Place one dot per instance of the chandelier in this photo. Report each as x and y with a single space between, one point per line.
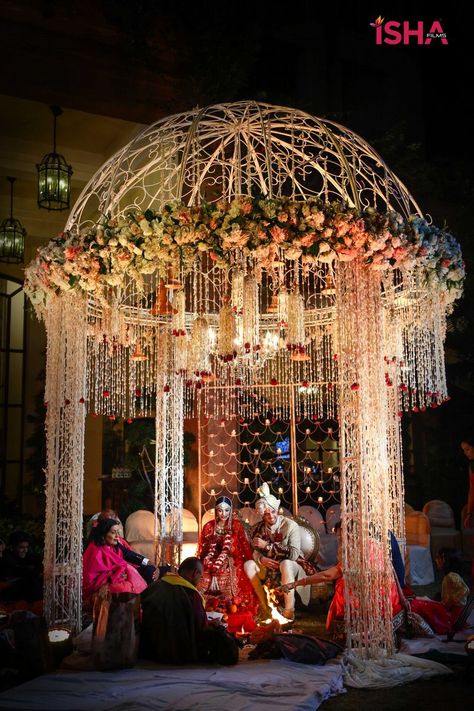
12 236
54 176
253 260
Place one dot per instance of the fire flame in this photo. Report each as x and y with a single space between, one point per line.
271 602
377 22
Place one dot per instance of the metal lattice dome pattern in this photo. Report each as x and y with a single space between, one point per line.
242 148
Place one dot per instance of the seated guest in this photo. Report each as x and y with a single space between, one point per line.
104 566
276 542
335 616
21 569
146 569
105 513
445 610
175 629
449 560
450 565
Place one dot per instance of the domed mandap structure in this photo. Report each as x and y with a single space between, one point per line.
240 261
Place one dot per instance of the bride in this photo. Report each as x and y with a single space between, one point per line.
223 548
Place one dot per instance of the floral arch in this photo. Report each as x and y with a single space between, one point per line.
229 259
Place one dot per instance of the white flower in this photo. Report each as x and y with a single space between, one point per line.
38 296
293 253
344 257
145 227
88 285
113 279
326 257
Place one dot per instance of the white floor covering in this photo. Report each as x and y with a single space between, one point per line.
263 685
424 645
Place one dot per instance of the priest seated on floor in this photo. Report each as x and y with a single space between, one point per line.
175 628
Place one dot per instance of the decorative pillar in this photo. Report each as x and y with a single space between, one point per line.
169 457
365 476
66 332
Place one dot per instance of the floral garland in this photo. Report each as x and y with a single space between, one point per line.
263 230
211 561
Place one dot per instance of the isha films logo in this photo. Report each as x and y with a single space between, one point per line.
393 32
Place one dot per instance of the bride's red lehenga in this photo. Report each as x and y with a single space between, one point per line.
223 550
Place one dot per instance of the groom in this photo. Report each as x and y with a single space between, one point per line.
277 547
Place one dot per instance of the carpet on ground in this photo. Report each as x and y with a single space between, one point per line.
249 686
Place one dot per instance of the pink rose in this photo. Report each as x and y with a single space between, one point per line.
346 254
70 252
184 216
399 253
279 234
308 239
341 229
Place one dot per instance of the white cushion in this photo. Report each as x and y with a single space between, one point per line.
421 565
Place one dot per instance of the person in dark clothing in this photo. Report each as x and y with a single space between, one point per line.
175 629
22 570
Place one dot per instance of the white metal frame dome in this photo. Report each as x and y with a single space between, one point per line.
242 148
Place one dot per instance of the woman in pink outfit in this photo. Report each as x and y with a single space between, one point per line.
104 567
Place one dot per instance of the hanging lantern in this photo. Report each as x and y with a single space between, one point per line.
162 306
273 305
54 176
138 355
12 236
172 281
329 288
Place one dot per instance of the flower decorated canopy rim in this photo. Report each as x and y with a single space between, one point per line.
261 230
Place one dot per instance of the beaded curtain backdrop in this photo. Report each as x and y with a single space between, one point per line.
235 262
